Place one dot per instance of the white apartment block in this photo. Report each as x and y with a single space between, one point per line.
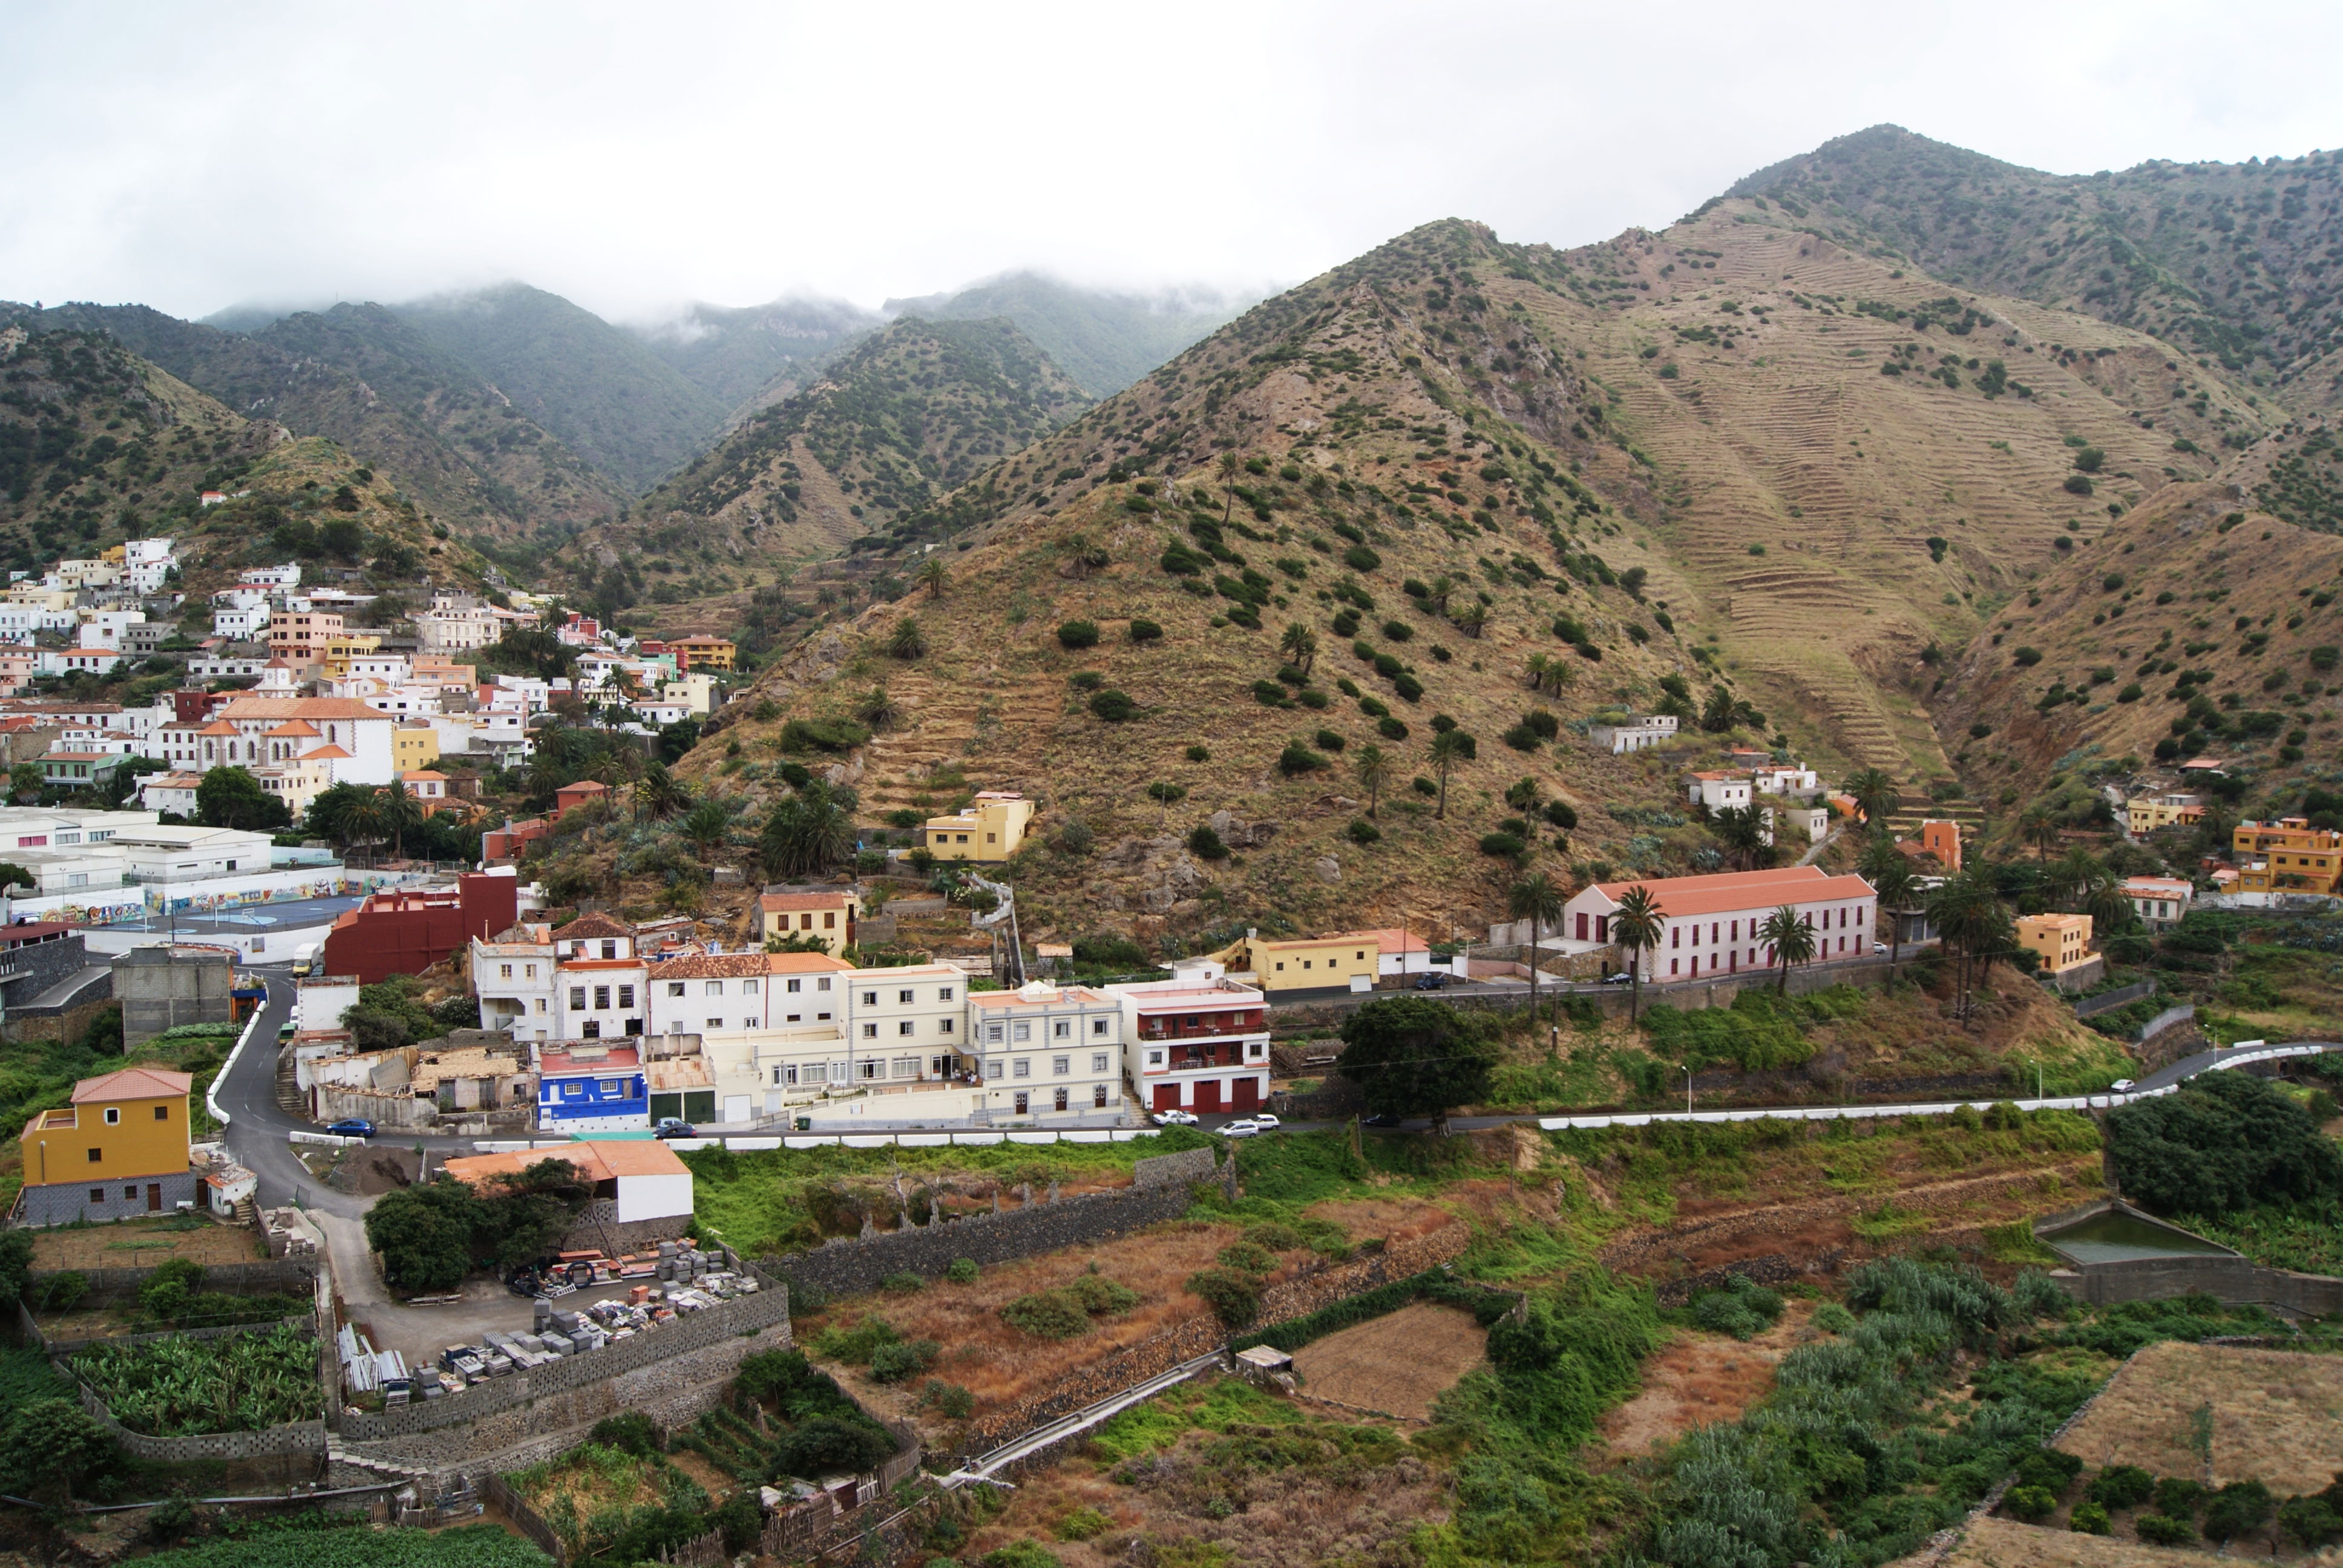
1719 790
1636 733
1046 1051
1199 1042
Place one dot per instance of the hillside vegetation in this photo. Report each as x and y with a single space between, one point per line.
1105 341
748 357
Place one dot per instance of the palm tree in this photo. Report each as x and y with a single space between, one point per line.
1166 795
1890 876
2039 827
1229 465
706 825
908 641
1471 618
658 794
363 821
1874 796
1300 645
1635 925
1967 910
1792 940
1550 674
876 709
809 831
1441 587
933 576
399 812
1373 767
1536 899
1450 749
1743 831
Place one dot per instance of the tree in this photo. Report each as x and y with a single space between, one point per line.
659 794
1450 749
1412 1056
401 813
1791 940
1166 795
13 875
808 831
2070 879
1300 645
1723 710
1536 899
1229 465
1874 796
1889 873
1470 618
908 640
523 1216
1636 925
26 780
2224 1142
1742 830
52 1443
424 1232
1373 767
2039 827
1967 910
675 739
706 825
933 576
233 798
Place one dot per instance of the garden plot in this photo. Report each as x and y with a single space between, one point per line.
1396 1365
2005 1544
143 1243
1701 1377
2275 1416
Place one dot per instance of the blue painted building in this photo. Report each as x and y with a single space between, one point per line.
590 1088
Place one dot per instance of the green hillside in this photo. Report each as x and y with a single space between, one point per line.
2232 262
1104 341
760 352
618 405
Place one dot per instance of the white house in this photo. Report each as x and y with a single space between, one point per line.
1046 1051
1635 733
2159 902
1198 1041
1809 824
170 792
1719 790
1709 924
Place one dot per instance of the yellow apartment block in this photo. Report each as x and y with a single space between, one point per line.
987 831
2062 941
2291 856
119 1148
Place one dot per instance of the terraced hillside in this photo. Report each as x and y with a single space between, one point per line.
904 416
355 375
2232 262
748 357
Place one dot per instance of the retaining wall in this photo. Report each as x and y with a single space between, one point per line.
847 1266
2233 1280
2164 1020
599 1225
292 1277
1316 1287
2107 1001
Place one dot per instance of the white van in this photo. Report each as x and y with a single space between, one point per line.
305 959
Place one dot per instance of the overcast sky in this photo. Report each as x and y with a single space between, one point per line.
190 156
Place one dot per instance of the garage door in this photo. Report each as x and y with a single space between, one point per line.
1208 1096
1167 1096
735 1107
1246 1093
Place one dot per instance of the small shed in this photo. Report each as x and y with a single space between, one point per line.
1265 1363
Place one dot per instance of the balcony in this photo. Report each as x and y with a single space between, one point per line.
1224 1053
1218 1026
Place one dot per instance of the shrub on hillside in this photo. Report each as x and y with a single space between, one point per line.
1144 630
1099 1296
1047 1315
1742 1308
1075 635
1205 844
1112 706
1232 1293
2224 1142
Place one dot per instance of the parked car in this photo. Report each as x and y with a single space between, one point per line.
2121 1086
1175 1117
1386 1120
1243 1127
1265 1122
1622 978
353 1127
1878 948
1432 980
674 1127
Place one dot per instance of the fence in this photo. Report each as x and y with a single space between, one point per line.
2164 1020
2108 1000
929 1140
523 1518
302 1437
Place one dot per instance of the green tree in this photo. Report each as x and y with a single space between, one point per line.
2224 1141
1229 467
1742 829
26 780
1374 767
1874 796
933 576
1534 898
659 794
1300 645
706 825
13 875
424 1232
1966 912
1166 795
808 831
1412 1056
233 798
2039 827
908 641
1890 875
51 1445
401 813
1635 926
1792 940
1470 618
1451 748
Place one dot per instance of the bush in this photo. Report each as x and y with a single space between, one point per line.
629 1432
2122 1486
1270 1236
1022 1555
1297 759
1144 630
2313 1521
1232 1295
1082 1523
2177 1496
2049 1469
906 1359
825 1444
1359 558
2158 1529
2029 1502
1506 846
948 1400
1362 831
1245 1255
2089 1519
1742 1308
1329 740
962 1270
1832 1317
2026 658
2241 1507
1205 844
1047 1315
902 1283
2078 484
1101 1297
61 1293
2224 1142
1074 634
1114 706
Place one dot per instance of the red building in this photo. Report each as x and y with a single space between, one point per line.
405 933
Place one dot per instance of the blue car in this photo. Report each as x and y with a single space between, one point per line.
355 1127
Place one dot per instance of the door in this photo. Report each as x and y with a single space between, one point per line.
153 1197
1208 1097
735 1107
700 1105
1024 1102
1167 1096
1247 1092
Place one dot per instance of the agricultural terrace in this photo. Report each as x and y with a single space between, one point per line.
2221 1413
616 1499
175 1295
329 1540
180 1387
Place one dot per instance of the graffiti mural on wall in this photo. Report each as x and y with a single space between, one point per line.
116 906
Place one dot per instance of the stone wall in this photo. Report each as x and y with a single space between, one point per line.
337 1102
1868 972
2233 1280
298 1437
2108 1000
599 1225
847 1266
1321 1284
1773 1268
292 1277
65 1202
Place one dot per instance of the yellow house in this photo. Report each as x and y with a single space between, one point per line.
1307 963
701 651
990 830
120 1148
2300 858
414 746
341 650
2062 941
2151 813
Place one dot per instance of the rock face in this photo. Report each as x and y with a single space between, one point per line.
1328 869
1238 835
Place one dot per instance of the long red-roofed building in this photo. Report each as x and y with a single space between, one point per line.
1708 925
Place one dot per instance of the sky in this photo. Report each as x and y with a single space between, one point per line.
193 157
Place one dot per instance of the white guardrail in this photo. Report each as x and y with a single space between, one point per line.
327 1140
211 1094
933 1139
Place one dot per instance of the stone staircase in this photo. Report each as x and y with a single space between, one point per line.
289 1087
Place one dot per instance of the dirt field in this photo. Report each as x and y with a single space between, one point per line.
1699 1377
1397 1364
2278 1416
142 1244
2004 1544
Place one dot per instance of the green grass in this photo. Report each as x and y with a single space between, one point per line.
357 1545
1212 1406
2305 1237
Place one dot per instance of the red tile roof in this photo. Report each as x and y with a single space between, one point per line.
134 1083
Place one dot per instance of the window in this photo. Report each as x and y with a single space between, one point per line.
1675 938
1098 1028
626 996
715 1023
1154 1059
97 1194
531 971
96 1155
870 999
1254 1049
941 1066
578 999
1062 1029
993 1067
162 1114
609 949
829 921
1024 1100
870 1031
1023 1031
503 971
907 1067
1060 1065
943 993
903 998
1098 1097
113 1115
944 1025
869 1069
1024 1067
601 998
1061 1103
1098 1061
908 1026
994 1033
712 987
675 987
821 984
747 988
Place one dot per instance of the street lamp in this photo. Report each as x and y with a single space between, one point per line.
1685 1068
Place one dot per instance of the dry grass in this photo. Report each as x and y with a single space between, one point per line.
1699 1378
2004 1544
2278 1416
1397 1220
142 1244
1398 1363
